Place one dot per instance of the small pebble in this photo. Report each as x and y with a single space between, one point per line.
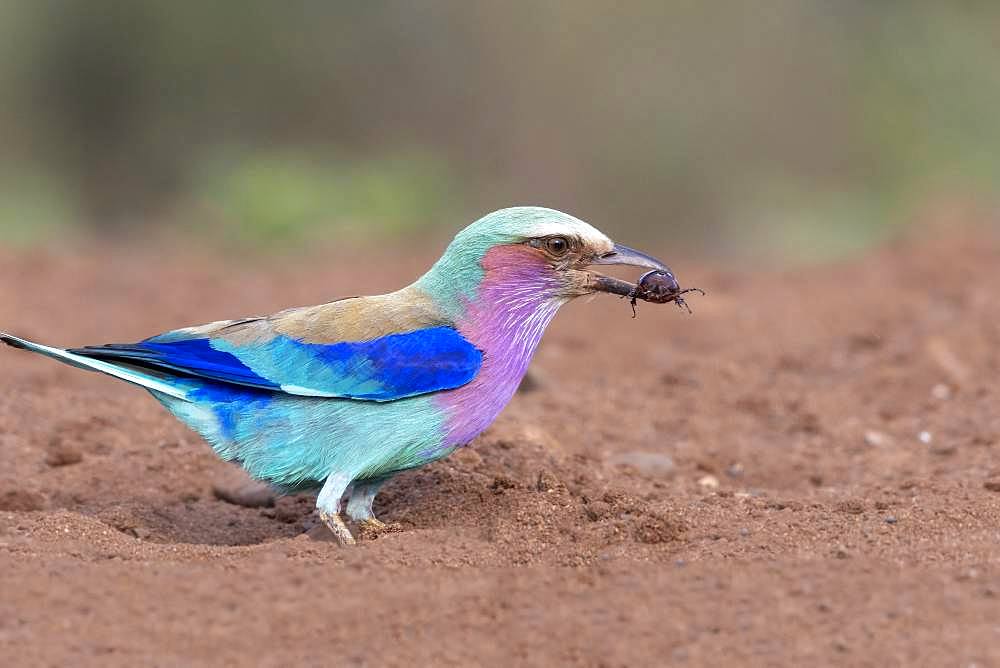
548 482
925 437
249 495
63 455
941 392
735 471
874 438
891 519
142 533
709 482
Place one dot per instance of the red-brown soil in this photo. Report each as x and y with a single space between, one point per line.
806 471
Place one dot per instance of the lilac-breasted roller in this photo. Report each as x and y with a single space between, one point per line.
340 397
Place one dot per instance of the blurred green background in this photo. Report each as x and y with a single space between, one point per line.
796 128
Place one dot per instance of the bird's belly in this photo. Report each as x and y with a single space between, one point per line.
296 442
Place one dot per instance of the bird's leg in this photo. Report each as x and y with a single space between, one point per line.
359 508
328 503
360 500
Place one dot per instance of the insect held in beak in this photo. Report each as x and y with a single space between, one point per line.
659 287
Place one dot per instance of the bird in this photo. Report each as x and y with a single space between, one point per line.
342 396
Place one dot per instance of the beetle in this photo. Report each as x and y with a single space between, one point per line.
659 287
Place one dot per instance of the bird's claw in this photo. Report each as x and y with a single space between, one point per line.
336 524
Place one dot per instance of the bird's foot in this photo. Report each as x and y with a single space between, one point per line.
372 528
336 524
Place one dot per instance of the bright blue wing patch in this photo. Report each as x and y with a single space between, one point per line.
389 367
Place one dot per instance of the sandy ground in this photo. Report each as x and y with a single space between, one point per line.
804 472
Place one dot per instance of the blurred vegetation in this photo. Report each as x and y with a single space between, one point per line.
281 199
803 127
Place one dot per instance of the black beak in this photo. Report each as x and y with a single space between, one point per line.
632 258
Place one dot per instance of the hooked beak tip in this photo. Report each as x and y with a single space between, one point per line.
623 255
629 256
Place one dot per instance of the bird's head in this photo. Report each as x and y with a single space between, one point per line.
532 251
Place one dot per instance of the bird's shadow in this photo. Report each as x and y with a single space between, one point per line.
209 521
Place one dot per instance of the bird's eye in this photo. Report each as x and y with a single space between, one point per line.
557 246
